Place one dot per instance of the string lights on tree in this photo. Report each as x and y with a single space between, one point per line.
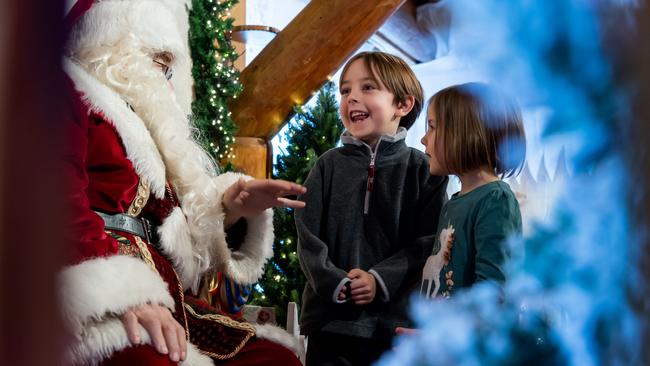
216 81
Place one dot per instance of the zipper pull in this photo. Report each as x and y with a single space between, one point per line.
371 177
369 186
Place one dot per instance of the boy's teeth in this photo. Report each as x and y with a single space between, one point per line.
358 116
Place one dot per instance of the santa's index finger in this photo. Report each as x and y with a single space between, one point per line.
288 203
283 187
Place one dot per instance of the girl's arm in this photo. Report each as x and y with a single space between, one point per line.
497 219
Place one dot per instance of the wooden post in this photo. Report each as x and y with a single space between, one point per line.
252 156
298 61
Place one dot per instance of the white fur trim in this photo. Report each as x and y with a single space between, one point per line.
138 143
99 341
93 289
196 358
150 21
280 336
198 242
176 242
245 265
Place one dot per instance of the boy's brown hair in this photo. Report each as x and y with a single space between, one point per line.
478 126
398 78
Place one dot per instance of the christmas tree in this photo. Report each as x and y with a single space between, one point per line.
311 132
216 81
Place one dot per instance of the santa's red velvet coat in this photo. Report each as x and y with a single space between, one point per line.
114 166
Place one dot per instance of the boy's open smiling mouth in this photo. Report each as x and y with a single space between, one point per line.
358 116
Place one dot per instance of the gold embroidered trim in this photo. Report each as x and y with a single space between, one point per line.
146 254
170 192
146 257
182 295
140 199
227 322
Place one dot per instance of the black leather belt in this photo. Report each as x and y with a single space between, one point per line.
133 225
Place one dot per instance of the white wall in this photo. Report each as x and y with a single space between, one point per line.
434 76
273 13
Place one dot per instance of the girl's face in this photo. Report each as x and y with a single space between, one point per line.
367 109
432 148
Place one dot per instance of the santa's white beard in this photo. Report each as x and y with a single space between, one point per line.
131 73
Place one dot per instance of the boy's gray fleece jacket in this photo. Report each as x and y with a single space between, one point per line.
391 240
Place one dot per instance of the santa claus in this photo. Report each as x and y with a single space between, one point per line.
148 214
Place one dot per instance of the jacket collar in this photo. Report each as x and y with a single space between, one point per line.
384 142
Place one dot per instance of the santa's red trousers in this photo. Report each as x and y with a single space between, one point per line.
256 352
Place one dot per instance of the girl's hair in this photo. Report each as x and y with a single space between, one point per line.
398 78
479 126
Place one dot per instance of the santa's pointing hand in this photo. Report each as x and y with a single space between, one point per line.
247 199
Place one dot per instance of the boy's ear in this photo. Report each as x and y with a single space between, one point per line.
404 107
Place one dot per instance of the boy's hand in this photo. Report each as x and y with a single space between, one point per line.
341 295
363 285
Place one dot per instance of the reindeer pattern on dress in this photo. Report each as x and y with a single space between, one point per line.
436 262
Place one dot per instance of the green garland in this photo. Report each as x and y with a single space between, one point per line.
311 132
216 81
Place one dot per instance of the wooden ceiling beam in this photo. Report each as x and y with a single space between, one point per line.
301 57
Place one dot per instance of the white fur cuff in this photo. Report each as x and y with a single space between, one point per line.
246 265
205 218
94 288
100 340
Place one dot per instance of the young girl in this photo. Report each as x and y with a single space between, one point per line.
366 230
477 134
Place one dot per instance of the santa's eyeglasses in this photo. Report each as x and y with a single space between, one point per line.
167 70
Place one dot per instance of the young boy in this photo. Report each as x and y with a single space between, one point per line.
371 213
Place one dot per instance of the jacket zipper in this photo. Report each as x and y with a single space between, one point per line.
370 184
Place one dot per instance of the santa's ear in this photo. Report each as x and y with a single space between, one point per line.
165 57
